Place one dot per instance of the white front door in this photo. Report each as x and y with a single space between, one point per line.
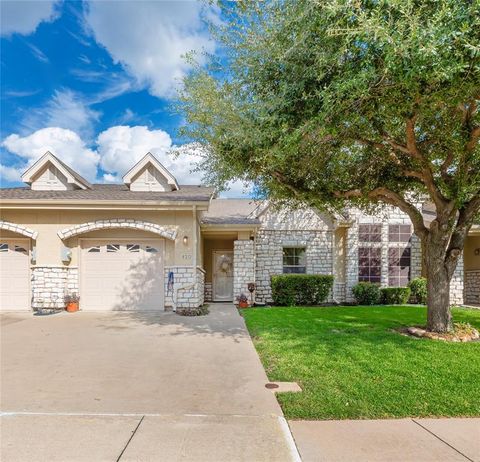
14 275
222 275
122 275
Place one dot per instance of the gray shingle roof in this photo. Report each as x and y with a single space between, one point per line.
109 192
231 212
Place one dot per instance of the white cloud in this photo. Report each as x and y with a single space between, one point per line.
118 149
65 144
9 173
122 146
150 38
65 110
23 17
39 54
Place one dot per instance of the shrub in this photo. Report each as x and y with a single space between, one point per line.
395 295
300 289
418 286
366 293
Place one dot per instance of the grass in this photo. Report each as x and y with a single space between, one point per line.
352 365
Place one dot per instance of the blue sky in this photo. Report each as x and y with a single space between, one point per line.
94 81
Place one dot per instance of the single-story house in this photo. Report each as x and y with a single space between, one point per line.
152 244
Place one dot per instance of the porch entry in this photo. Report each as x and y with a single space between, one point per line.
222 277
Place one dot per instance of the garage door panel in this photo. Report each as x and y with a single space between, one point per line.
14 275
122 276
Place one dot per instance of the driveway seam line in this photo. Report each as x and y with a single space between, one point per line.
442 440
130 439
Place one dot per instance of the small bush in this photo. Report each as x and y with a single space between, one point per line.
418 286
300 289
366 293
395 295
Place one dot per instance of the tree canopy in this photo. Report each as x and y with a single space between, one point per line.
335 99
334 102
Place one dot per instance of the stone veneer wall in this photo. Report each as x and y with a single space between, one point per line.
472 286
456 284
193 279
208 292
51 283
243 267
269 252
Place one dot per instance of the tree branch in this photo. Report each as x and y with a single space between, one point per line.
473 140
391 198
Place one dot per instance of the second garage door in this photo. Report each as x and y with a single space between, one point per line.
14 275
122 275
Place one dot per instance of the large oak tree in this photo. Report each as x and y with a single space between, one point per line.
336 103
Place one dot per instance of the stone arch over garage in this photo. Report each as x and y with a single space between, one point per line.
118 223
19 229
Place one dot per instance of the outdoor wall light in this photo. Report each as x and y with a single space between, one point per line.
66 254
185 240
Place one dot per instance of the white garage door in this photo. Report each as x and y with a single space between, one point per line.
122 275
14 275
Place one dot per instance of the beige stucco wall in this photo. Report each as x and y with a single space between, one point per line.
49 222
471 261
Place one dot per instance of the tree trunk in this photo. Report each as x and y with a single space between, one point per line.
438 274
439 318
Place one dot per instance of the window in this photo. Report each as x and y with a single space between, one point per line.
21 249
370 233
399 260
113 247
94 249
294 260
151 249
369 264
3 247
399 233
133 247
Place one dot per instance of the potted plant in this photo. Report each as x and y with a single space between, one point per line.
242 300
71 302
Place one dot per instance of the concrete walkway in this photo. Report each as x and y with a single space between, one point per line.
403 440
136 387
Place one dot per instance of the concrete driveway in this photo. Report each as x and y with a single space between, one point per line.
138 387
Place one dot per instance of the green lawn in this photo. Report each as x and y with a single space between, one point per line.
351 364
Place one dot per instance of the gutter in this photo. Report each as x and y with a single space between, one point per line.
100 204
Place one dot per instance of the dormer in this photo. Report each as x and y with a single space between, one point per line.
150 175
50 174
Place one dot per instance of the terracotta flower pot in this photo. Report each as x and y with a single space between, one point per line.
243 304
72 307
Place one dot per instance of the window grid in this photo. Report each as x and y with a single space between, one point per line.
399 266
399 233
370 264
294 260
370 232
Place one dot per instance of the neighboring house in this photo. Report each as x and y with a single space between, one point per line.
151 244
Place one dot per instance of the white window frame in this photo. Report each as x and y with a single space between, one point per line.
304 266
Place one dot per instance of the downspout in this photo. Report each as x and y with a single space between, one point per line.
195 237
333 266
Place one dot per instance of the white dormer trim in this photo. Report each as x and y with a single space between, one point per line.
72 177
149 158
